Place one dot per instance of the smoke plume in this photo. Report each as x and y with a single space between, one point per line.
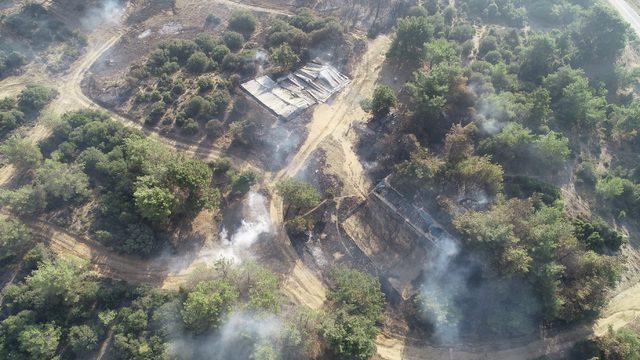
239 338
109 11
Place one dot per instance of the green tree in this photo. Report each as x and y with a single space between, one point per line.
478 172
15 238
27 200
54 284
62 181
198 62
357 304
40 341
153 203
539 58
350 336
441 51
34 98
207 304
243 22
602 35
357 291
244 181
539 108
82 339
298 195
233 40
384 98
284 57
411 35
551 151
21 152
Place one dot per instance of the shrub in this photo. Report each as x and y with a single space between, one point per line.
214 128
156 113
205 84
219 52
197 107
233 40
212 21
190 127
242 22
15 238
284 57
586 173
34 98
384 98
82 339
198 62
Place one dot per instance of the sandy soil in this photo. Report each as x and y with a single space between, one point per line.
337 116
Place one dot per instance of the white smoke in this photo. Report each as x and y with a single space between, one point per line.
109 11
240 337
490 126
439 289
256 222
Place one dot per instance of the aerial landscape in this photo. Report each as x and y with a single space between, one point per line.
320 179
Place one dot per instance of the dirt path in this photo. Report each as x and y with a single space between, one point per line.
334 119
304 287
241 5
337 116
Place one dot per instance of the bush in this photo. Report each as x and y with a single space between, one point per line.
214 128
219 52
180 50
242 22
190 127
34 98
198 62
218 102
233 40
206 304
384 98
205 84
212 21
284 57
197 107
586 173
156 113
598 236
82 339
15 238
207 43
21 152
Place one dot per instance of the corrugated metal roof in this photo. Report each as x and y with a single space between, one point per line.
314 83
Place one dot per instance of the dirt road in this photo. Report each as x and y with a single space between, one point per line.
628 13
303 287
337 116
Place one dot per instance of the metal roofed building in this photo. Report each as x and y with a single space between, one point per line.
314 83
